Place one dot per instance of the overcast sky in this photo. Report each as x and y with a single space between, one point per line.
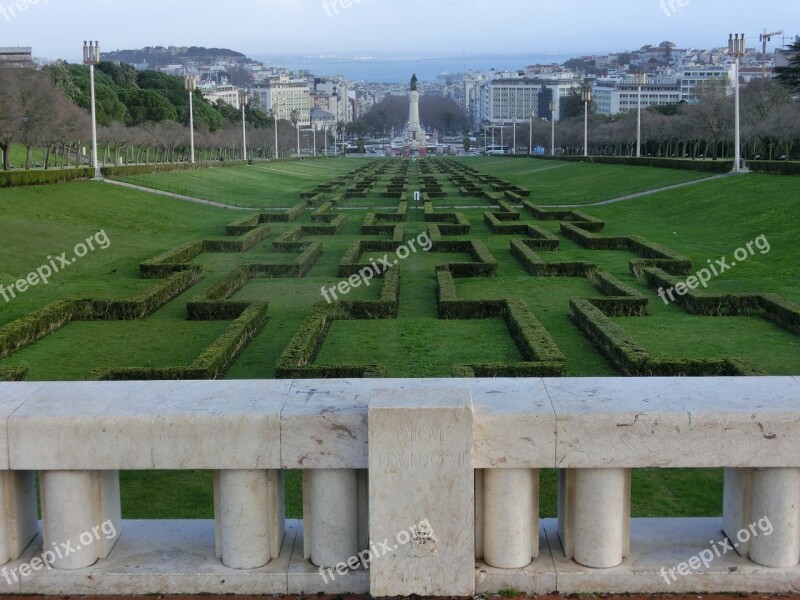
452 28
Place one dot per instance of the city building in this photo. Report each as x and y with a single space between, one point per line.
288 99
16 57
615 96
694 76
229 94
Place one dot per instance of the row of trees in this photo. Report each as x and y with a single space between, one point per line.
44 109
770 126
770 123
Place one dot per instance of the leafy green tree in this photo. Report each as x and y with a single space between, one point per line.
790 75
227 111
146 106
122 75
572 105
467 143
205 113
74 80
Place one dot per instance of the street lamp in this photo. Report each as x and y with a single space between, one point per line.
586 98
189 84
314 130
530 134
641 79
515 134
737 49
275 116
91 57
243 102
553 126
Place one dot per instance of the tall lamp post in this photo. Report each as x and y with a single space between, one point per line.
737 49
91 57
189 84
515 135
314 129
275 116
530 134
553 127
586 98
641 80
243 102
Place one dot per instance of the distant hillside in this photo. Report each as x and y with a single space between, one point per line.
159 56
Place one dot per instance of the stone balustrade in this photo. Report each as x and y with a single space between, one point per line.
431 484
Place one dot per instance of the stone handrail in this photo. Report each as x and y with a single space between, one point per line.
452 464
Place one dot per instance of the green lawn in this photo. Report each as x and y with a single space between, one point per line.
556 183
264 185
705 222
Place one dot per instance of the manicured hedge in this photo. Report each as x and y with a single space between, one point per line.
782 312
41 177
242 243
131 170
213 363
531 336
774 308
349 264
624 352
655 255
32 327
142 305
628 357
13 373
296 361
24 331
171 261
575 217
775 167
322 212
484 265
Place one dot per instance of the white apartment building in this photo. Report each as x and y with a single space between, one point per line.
614 96
229 94
338 94
691 77
508 100
285 98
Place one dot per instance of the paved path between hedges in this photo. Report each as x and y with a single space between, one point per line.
181 197
640 194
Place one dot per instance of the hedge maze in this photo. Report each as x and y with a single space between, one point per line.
329 237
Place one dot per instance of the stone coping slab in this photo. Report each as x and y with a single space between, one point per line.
676 422
149 425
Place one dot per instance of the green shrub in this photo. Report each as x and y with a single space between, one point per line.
41 177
